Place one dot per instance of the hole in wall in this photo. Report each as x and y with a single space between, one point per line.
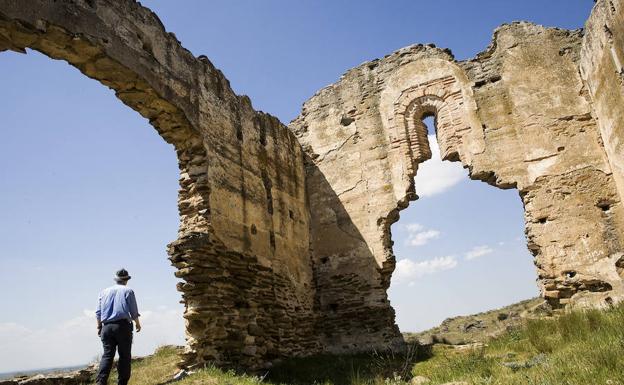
604 206
619 266
239 134
597 286
268 185
453 245
272 239
345 120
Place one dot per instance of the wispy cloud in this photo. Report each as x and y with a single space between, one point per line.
407 271
436 176
75 341
478 251
417 235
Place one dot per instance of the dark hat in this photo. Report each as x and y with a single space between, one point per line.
122 275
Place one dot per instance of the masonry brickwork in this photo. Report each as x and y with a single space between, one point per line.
284 247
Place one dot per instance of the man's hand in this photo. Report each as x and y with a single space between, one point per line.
137 325
99 329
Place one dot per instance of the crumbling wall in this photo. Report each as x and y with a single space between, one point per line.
517 116
601 65
242 248
286 250
541 138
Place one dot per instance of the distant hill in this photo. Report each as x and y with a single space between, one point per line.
482 326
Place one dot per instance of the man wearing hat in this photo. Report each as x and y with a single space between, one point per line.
116 310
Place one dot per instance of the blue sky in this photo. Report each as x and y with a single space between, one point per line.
88 186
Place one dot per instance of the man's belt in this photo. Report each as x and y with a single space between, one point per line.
117 321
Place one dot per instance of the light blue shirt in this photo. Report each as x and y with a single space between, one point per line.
116 303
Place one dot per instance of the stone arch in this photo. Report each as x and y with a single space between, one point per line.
243 235
432 87
447 117
438 88
260 229
135 91
132 89
429 86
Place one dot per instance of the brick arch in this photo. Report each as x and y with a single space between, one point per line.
442 99
446 118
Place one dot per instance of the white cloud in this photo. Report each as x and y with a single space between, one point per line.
478 251
75 341
421 238
436 176
407 270
417 235
414 227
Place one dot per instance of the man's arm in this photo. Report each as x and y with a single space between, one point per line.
134 310
98 314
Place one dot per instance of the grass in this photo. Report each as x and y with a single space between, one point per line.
480 327
578 348
361 369
160 367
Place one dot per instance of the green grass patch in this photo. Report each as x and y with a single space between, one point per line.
578 348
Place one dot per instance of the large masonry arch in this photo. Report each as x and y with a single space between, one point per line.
284 243
242 248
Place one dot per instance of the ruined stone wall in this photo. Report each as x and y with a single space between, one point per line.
284 246
541 138
242 249
602 61
517 116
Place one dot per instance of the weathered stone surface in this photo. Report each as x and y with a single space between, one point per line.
519 115
77 377
284 243
242 249
602 58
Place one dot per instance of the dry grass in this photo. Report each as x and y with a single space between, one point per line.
579 348
155 369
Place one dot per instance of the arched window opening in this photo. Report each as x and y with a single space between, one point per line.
88 187
460 248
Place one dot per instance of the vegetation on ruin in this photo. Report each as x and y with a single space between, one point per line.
578 348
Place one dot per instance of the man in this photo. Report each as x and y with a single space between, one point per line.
116 310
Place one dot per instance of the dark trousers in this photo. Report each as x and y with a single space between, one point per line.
116 336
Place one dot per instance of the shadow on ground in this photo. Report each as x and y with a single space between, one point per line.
348 369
